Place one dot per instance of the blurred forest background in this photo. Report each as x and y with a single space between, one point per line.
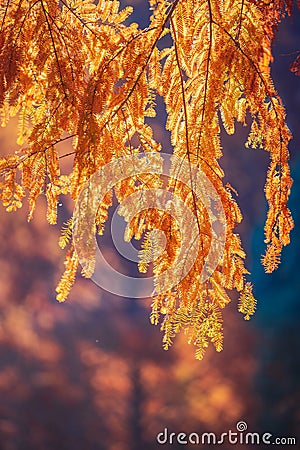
90 374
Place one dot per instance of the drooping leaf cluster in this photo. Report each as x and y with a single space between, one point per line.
74 70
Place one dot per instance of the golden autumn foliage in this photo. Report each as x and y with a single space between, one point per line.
75 70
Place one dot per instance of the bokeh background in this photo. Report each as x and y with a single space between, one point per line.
90 374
